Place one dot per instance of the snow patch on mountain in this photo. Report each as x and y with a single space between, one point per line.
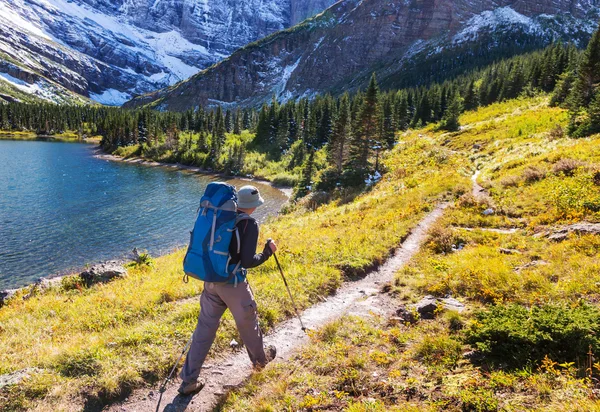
111 97
492 20
28 23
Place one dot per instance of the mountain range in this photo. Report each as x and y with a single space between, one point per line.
406 42
109 50
180 54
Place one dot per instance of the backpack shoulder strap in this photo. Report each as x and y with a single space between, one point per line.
240 218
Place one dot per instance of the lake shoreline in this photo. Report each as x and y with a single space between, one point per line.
55 278
30 136
101 154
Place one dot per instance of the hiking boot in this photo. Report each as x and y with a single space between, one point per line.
271 353
190 388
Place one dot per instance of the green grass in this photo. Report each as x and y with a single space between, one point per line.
69 137
98 342
537 179
359 364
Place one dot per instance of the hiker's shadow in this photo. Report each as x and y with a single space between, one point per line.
178 404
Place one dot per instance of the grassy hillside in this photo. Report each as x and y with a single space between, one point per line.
525 341
85 346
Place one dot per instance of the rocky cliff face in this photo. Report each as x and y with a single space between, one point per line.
339 49
112 49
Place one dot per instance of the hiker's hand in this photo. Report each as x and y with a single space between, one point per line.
272 245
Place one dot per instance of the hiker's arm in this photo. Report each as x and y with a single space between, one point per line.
249 258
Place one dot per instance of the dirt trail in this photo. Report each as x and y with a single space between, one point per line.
358 298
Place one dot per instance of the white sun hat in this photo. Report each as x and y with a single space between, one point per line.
249 197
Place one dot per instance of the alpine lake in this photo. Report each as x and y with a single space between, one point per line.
62 207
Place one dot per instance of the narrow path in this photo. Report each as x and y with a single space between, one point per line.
503 231
478 190
358 298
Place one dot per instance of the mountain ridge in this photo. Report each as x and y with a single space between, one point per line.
113 49
360 37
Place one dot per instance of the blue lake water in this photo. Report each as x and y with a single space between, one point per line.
61 208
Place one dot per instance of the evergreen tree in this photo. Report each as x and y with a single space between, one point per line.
228 121
338 144
588 78
471 97
237 123
451 118
218 137
367 129
305 185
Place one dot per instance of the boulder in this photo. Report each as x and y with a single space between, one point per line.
562 233
427 307
509 251
5 295
14 378
406 315
103 272
452 304
489 212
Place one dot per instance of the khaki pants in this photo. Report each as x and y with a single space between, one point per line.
215 299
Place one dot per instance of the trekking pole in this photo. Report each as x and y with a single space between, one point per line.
163 387
288 289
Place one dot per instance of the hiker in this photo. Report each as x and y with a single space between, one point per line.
237 296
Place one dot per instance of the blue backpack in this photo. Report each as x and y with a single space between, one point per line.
208 257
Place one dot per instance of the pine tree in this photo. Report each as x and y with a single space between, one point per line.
451 117
471 97
228 121
388 124
218 137
305 185
588 78
263 128
594 115
237 123
338 144
367 129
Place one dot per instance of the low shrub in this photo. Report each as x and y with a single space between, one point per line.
533 174
516 337
439 350
566 166
441 239
285 180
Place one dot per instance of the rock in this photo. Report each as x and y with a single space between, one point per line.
104 272
531 264
406 316
489 212
427 307
452 304
562 233
509 251
15 378
5 296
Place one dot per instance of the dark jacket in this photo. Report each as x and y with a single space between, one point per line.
248 230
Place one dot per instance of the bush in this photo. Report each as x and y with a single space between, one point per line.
329 180
510 181
285 180
439 350
533 174
441 239
517 337
566 166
